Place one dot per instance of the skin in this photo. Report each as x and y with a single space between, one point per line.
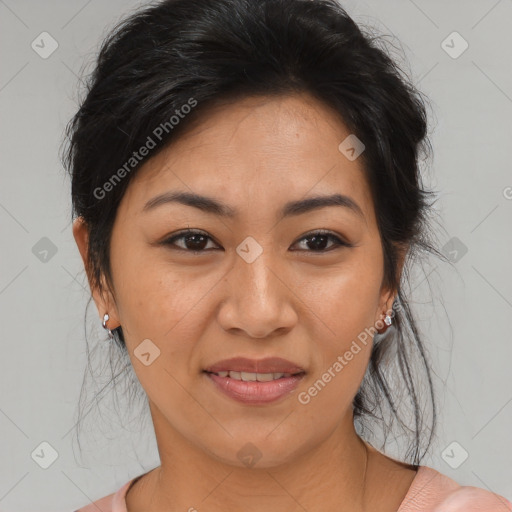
303 305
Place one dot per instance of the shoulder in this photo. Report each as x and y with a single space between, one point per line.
473 499
114 502
431 490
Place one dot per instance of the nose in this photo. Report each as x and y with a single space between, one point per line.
259 299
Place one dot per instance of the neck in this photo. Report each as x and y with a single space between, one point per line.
332 474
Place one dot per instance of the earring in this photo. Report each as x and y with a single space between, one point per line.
105 320
388 320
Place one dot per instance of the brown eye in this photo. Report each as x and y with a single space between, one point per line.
192 241
318 240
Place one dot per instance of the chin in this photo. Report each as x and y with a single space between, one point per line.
256 453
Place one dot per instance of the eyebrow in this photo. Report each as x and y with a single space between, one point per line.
215 207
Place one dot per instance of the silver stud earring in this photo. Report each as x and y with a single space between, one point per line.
105 320
388 320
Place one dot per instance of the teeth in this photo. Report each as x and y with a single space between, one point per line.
251 377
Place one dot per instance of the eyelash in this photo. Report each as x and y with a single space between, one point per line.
182 234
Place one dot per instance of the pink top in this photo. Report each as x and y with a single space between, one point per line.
430 491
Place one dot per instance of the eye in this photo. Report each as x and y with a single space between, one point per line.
193 240
197 241
318 239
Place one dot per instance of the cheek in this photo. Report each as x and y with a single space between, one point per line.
155 300
345 304
345 300
167 308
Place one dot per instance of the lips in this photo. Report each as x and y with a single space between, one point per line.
255 381
275 365
255 393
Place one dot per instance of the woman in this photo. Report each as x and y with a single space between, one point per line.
247 196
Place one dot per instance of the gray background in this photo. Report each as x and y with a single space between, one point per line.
43 296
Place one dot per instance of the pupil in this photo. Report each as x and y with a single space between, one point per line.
196 247
315 238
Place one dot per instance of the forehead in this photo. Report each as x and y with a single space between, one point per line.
257 149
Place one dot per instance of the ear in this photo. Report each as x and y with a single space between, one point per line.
103 298
388 295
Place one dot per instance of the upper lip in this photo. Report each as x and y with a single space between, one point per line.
267 365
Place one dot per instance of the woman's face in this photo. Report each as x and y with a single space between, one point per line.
259 285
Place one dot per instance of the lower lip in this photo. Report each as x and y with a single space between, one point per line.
255 392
